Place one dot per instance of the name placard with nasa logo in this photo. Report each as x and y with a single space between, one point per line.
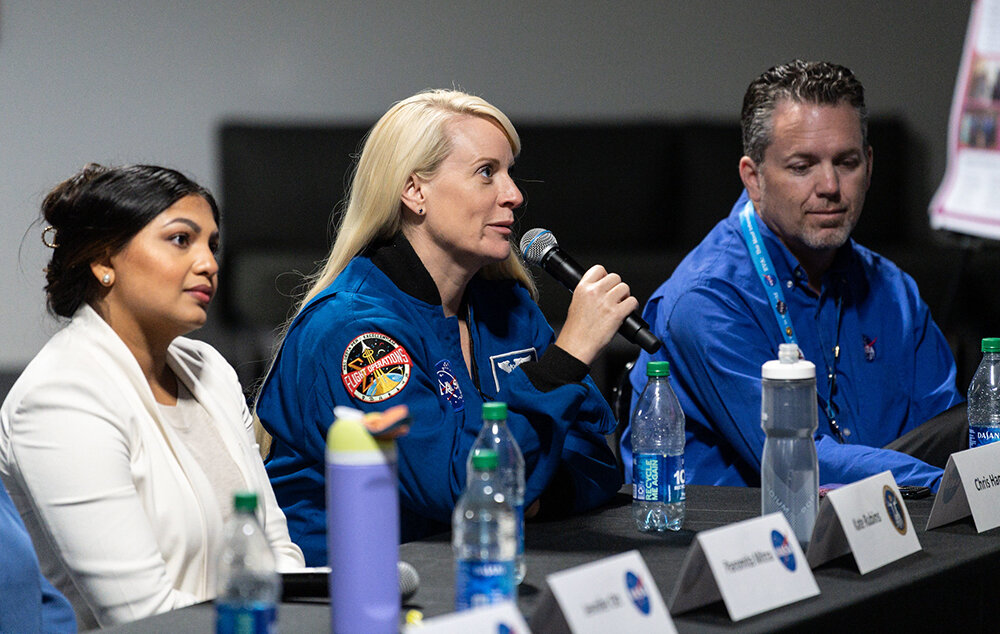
755 565
971 484
615 594
867 518
501 617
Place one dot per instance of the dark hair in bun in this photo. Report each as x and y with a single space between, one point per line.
97 212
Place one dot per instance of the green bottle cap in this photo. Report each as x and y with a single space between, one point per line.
658 368
991 344
245 501
495 410
484 460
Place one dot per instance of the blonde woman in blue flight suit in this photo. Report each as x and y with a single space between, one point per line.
423 301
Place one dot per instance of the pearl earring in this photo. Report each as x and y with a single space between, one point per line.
106 279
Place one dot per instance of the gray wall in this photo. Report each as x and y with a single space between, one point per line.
114 81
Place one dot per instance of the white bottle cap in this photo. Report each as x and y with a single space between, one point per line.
788 366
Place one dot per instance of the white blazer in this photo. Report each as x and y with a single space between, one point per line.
123 518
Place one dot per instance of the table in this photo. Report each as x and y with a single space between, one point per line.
952 583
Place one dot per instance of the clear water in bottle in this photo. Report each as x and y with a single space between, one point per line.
983 401
496 435
483 538
789 471
249 587
658 492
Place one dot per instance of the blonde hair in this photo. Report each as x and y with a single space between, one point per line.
411 138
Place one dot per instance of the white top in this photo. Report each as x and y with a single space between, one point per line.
194 426
788 366
123 517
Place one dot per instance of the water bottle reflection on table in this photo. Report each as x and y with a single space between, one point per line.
789 471
249 586
658 492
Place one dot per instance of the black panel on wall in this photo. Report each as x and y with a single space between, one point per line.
592 185
633 196
280 184
887 219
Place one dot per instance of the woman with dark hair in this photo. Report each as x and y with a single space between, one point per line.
122 441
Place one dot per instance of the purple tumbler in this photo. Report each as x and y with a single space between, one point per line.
362 537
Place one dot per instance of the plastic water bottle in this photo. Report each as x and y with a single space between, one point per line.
658 454
362 537
789 470
984 397
249 587
510 469
483 538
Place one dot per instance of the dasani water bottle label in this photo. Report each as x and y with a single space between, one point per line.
483 583
983 435
257 618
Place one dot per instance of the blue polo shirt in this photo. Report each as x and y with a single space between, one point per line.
895 370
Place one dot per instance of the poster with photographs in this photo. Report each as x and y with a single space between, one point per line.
968 200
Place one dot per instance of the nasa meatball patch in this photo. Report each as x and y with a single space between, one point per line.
448 387
375 367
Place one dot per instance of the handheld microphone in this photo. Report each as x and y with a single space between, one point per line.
409 581
540 248
313 583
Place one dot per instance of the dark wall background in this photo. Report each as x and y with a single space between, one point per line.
634 196
92 81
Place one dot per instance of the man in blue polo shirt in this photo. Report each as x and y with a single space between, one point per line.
883 367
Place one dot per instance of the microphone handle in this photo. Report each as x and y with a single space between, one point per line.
565 269
636 330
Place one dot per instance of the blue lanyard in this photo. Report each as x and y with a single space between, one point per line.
765 271
772 288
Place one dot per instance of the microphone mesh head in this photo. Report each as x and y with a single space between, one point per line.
409 580
535 244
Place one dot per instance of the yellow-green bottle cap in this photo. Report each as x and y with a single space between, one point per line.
347 434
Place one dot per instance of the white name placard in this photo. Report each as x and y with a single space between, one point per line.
614 594
500 617
971 484
867 518
755 565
